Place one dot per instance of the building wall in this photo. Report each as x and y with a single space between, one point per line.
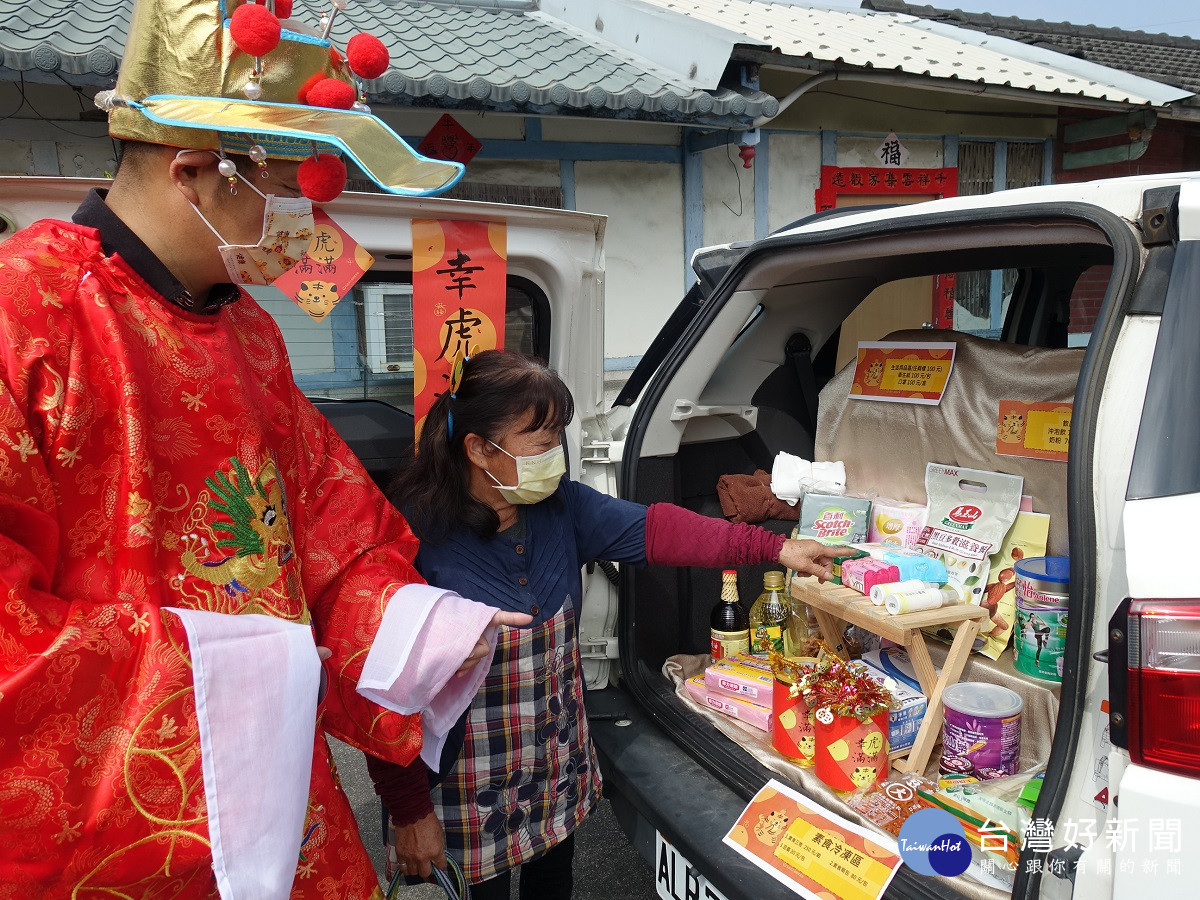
1173 147
728 207
643 248
793 176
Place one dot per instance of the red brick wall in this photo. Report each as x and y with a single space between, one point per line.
1174 147
1085 301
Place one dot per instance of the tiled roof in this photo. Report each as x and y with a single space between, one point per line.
64 36
1166 58
442 55
891 41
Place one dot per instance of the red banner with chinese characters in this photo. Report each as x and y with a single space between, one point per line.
449 140
835 180
459 290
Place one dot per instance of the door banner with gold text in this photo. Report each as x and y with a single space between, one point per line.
458 300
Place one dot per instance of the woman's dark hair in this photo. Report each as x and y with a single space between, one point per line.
498 390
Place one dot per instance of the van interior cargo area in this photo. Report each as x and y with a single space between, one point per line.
885 448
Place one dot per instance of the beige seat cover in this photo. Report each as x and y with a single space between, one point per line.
886 446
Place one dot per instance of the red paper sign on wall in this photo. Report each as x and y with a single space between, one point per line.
449 140
458 300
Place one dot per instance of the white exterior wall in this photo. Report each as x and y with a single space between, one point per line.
860 151
647 272
728 196
794 170
643 246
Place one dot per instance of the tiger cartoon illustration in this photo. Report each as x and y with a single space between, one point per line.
771 826
874 376
1012 428
863 776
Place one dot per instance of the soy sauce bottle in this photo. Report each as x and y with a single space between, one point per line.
729 626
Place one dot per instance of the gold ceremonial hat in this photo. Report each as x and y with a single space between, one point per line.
190 78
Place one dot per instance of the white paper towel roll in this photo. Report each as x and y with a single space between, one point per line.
927 598
880 592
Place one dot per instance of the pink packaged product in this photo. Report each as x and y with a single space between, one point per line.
734 677
864 573
744 710
696 689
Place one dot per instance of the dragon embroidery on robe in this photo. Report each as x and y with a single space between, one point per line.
254 522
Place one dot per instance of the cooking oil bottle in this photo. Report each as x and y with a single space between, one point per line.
769 617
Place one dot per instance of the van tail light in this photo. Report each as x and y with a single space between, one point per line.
1154 683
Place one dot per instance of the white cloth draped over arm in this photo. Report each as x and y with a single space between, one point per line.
425 635
256 680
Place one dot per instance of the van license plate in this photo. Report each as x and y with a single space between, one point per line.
678 879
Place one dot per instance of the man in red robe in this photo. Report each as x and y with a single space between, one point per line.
156 455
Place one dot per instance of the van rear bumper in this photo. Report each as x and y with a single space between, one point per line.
655 786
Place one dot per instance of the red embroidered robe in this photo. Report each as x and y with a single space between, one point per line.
150 457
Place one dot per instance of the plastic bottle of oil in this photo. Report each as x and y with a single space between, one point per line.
769 617
729 627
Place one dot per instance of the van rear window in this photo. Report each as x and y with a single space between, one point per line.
364 349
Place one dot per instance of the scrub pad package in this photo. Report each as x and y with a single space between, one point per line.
970 512
834 517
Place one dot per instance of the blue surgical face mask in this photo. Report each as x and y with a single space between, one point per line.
537 476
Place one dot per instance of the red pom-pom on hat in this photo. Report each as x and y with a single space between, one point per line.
302 94
283 8
322 177
367 55
254 29
332 93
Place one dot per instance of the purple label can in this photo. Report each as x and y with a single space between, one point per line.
982 735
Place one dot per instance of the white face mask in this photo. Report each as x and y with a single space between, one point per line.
286 235
537 476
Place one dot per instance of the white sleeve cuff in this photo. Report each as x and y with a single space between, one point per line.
425 635
256 680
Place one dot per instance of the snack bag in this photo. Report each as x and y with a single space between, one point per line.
970 512
889 803
1026 539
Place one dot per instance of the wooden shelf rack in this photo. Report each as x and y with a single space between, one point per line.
835 606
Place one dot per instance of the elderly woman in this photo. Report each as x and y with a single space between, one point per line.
498 522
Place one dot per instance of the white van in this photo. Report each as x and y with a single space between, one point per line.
753 362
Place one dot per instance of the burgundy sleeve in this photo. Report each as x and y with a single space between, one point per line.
679 537
404 790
